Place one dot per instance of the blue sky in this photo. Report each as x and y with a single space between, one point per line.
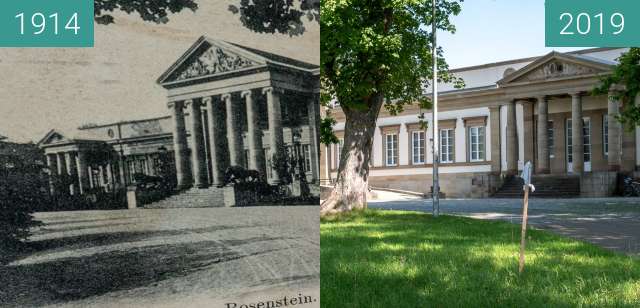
495 30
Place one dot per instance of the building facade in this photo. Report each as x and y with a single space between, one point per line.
536 109
229 105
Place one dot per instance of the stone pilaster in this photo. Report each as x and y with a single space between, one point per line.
198 161
276 140
494 118
254 135
313 111
234 131
543 139
181 151
83 176
614 133
216 140
577 140
512 139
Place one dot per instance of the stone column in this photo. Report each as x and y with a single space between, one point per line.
527 131
110 180
494 118
313 111
70 159
83 176
614 131
52 163
254 135
198 161
216 138
276 141
234 131
543 136
180 148
512 139
577 140
62 170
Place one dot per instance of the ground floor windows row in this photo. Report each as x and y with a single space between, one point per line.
419 145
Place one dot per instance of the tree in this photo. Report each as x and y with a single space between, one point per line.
374 54
262 16
627 75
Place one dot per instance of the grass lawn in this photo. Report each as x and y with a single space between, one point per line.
408 259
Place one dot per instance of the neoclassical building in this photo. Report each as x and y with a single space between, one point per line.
229 105
535 109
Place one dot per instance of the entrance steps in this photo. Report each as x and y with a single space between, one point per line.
547 186
193 197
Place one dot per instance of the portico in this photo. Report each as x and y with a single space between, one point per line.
227 102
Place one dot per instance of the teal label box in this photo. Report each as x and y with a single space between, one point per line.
46 23
592 23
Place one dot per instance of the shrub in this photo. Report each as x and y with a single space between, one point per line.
21 192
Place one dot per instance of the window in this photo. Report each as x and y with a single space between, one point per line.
569 141
267 162
246 159
586 139
392 149
446 145
339 146
418 146
306 149
605 134
476 143
551 140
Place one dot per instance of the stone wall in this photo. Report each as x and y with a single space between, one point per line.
452 185
598 184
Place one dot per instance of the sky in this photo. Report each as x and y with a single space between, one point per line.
496 30
46 88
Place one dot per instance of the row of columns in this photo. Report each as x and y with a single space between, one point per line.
198 177
69 164
577 141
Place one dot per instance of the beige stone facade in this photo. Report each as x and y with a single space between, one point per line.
536 109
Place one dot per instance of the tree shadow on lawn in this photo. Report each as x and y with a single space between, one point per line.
81 277
376 259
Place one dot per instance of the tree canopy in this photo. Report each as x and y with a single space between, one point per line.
381 47
262 16
627 75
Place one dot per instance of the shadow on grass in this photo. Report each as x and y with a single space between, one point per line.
80 277
407 259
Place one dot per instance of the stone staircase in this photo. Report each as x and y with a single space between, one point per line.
194 197
547 186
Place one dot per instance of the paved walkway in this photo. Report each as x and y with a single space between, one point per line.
612 223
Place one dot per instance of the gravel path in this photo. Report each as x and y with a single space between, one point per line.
167 258
613 223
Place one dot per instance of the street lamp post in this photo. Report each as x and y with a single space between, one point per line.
436 148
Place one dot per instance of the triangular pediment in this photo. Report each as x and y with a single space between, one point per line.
209 57
556 66
53 137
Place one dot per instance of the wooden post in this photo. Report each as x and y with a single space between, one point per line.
524 227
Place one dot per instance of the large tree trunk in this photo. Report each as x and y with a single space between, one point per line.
352 181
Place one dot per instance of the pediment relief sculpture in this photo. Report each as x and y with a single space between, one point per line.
213 61
557 69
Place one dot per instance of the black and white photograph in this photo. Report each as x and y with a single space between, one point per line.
173 164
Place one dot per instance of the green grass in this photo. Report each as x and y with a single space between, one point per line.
408 259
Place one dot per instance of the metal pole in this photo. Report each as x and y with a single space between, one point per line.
436 148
